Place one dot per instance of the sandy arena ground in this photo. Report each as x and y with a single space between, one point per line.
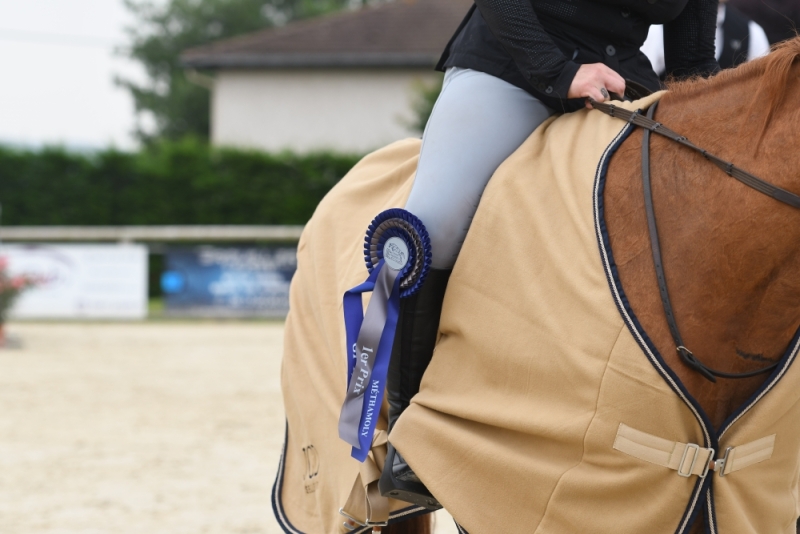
151 428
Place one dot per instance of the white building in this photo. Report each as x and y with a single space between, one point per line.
343 82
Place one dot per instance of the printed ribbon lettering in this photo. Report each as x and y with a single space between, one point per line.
369 344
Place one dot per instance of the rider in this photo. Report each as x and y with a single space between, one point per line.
510 65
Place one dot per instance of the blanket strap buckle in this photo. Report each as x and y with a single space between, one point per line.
352 523
719 465
695 454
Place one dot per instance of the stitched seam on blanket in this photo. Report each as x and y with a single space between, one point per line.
588 426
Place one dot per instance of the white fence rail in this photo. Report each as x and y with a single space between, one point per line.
130 234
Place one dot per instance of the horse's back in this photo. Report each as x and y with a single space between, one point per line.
317 473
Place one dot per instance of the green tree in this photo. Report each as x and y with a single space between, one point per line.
423 100
163 30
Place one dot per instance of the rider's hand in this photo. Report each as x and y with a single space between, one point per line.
596 81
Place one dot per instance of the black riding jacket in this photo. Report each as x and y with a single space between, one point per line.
538 45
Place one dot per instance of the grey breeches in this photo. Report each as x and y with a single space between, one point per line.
477 122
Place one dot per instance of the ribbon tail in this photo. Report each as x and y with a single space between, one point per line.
360 412
372 407
354 316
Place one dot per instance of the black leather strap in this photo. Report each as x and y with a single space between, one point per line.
686 355
732 170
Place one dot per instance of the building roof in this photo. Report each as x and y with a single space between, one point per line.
402 33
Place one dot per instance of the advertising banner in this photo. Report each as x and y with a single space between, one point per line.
80 281
228 282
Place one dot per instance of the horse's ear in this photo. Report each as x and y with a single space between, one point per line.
421 524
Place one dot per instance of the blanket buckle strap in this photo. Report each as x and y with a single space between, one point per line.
684 457
365 506
689 472
352 523
719 465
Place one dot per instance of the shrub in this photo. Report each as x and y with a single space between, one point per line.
171 182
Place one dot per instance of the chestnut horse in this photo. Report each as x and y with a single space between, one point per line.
732 264
731 254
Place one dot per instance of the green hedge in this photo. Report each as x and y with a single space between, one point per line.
182 182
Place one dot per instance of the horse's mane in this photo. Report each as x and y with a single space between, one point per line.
773 70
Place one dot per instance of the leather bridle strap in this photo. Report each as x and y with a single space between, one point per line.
686 355
655 247
635 118
649 126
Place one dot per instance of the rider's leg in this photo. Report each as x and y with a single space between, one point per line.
477 122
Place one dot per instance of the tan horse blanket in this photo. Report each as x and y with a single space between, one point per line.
546 408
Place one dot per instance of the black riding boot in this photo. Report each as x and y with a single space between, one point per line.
417 328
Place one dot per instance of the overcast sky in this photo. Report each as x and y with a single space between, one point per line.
58 66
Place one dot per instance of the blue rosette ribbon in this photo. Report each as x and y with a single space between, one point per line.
397 251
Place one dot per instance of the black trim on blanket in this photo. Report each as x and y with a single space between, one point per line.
786 360
283 519
461 530
638 333
643 340
711 516
277 489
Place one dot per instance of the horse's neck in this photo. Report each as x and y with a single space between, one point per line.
730 253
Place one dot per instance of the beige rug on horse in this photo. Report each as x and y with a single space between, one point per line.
545 408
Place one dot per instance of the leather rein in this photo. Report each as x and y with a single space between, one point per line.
651 126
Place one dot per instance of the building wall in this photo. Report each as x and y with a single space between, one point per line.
354 110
